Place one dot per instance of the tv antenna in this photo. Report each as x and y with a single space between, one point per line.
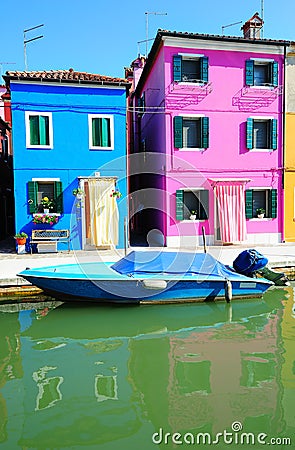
262 15
230 25
26 41
147 13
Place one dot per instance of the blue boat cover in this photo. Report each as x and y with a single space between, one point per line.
249 261
180 263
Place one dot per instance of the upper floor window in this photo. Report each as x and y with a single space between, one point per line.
190 68
38 129
261 134
101 132
261 72
191 132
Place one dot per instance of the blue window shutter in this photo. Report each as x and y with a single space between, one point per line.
205 132
179 205
273 203
177 68
58 197
249 133
249 72
32 196
204 69
178 133
274 134
274 73
249 203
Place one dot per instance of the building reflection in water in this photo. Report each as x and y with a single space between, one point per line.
91 376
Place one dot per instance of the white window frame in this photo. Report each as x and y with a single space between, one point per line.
46 180
50 128
192 57
112 134
262 119
192 189
191 149
262 61
267 192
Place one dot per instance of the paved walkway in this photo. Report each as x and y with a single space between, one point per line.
281 255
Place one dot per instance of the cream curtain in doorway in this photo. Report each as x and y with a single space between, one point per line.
104 215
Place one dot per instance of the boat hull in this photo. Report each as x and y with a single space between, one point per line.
136 290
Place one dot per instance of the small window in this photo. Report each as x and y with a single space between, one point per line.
261 73
38 130
101 132
194 201
192 69
191 132
261 134
261 199
38 190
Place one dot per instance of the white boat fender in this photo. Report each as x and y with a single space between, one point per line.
228 291
154 284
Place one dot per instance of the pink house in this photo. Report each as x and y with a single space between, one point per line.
209 139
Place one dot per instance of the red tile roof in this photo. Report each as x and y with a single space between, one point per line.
64 75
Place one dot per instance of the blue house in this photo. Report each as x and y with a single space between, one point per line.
69 147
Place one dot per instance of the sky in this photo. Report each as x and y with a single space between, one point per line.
103 37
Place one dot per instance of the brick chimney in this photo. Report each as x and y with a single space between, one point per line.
251 29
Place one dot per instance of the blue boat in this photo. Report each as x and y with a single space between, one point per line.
147 277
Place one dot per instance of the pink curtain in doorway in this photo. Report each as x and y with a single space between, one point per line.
231 207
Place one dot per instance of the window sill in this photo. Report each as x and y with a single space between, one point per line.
194 83
40 147
264 219
262 150
46 214
101 148
191 149
196 220
266 87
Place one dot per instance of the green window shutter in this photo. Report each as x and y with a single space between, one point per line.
204 69
105 128
34 130
177 68
96 132
272 198
249 137
44 130
205 132
178 132
32 196
58 196
274 73
274 134
249 203
179 205
249 72
204 204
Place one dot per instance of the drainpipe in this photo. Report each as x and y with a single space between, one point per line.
283 146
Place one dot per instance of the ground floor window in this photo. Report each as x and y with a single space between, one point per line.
261 200
41 190
192 201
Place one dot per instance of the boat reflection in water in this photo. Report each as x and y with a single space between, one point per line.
77 376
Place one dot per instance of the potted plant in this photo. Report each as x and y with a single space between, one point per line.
116 194
47 204
45 218
193 215
260 212
21 238
79 193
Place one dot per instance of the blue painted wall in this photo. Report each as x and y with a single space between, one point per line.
70 156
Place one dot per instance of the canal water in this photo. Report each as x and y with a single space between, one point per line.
77 376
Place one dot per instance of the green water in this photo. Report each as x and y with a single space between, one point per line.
116 378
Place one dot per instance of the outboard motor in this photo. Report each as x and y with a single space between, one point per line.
249 261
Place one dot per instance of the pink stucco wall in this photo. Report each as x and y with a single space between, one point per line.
228 110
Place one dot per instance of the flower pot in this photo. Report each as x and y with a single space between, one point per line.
46 210
260 216
21 241
192 217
